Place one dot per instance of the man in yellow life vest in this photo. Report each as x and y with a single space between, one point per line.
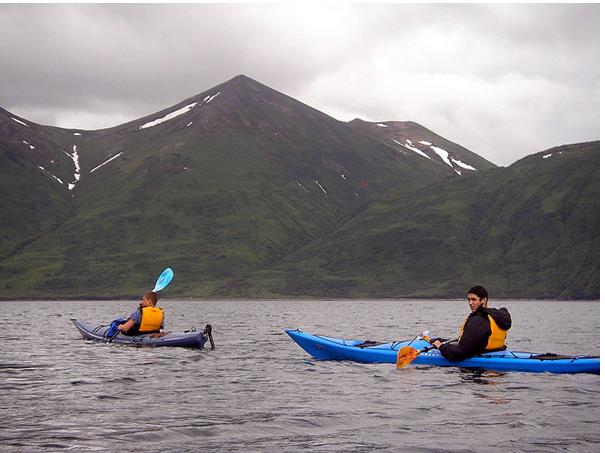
146 319
484 330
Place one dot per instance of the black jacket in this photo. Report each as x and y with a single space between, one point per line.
476 333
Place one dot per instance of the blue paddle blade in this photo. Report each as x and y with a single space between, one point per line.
163 280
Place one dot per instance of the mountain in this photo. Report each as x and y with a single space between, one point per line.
218 185
530 230
245 192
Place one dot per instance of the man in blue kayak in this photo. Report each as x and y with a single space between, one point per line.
484 330
147 318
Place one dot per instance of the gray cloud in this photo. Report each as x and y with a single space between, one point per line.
503 80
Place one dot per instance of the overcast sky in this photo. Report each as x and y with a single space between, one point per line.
504 81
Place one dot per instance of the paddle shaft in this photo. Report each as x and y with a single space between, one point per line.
428 348
408 354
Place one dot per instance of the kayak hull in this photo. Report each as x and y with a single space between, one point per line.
327 348
96 332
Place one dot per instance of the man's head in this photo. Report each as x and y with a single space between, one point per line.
149 299
477 296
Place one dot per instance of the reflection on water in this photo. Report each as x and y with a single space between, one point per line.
496 395
480 376
258 391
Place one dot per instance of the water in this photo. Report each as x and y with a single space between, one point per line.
258 391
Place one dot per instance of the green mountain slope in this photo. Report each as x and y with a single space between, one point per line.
34 164
247 192
530 230
219 186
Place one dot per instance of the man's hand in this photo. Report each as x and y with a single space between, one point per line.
436 344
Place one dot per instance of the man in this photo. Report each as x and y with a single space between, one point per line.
484 330
146 319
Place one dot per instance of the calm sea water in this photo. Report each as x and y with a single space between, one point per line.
258 391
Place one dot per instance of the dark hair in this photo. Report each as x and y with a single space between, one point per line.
152 296
479 291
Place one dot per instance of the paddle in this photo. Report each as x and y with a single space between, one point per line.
163 280
408 354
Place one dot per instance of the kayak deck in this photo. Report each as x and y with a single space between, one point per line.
175 339
328 348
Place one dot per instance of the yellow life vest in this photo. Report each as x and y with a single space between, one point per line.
498 337
151 319
496 340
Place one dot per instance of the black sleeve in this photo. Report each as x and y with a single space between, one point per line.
473 341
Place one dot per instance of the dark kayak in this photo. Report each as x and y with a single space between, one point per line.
191 339
327 348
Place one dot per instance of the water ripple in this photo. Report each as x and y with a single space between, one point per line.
258 391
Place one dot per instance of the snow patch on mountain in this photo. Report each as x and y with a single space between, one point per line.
76 158
208 99
382 125
49 173
302 187
19 121
170 116
448 160
463 165
410 147
416 150
107 161
28 144
320 186
443 154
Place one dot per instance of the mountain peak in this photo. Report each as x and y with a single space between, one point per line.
236 101
239 103
241 78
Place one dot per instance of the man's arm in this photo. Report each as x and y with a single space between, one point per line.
126 326
135 318
473 341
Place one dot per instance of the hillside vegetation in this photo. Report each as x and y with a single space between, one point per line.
246 192
530 230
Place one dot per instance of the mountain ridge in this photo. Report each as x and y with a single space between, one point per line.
227 186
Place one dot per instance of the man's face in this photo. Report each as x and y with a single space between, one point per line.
475 302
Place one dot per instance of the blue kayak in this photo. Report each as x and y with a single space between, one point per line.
191 339
327 348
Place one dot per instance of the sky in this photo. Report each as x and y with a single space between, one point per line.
505 81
